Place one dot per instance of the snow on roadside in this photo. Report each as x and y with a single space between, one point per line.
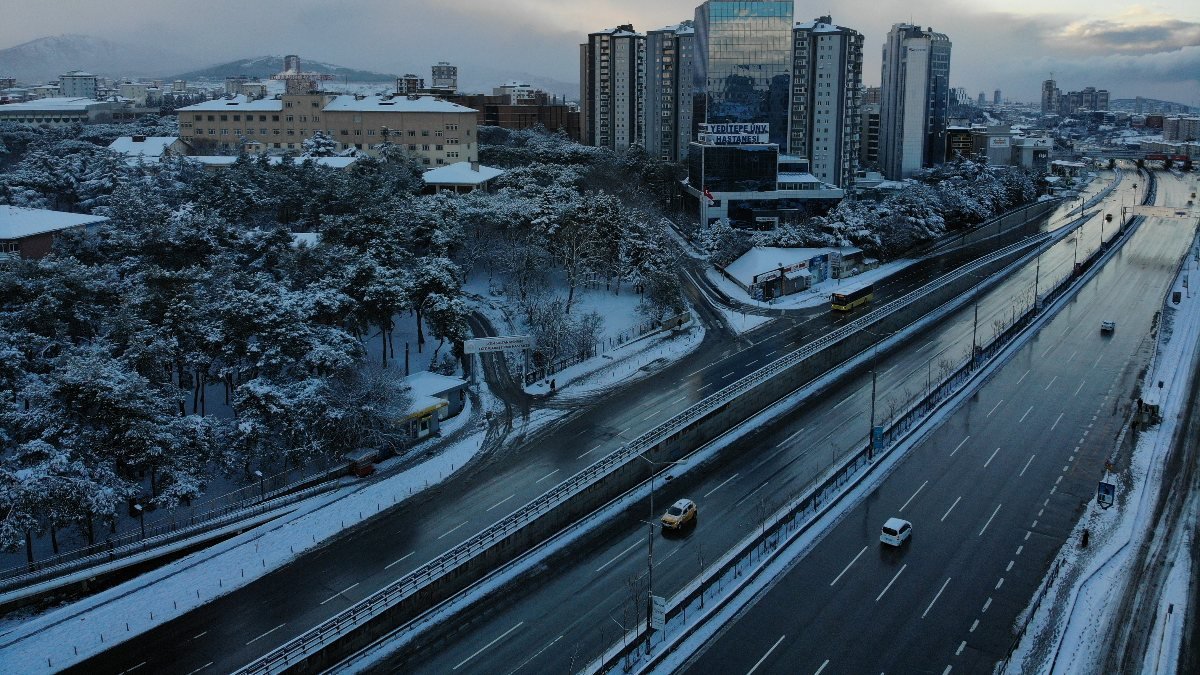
816 296
129 609
1067 630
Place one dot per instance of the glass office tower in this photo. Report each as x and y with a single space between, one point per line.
743 62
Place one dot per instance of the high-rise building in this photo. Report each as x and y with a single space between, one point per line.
445 76
916 97
826 88
77 84
871 95
997 98
742 67
869 134
982 100
1050 94
668 98
611 90
1088 99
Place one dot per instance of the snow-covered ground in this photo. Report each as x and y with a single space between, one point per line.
1067 630
815 296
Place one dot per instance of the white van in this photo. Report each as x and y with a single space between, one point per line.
895 532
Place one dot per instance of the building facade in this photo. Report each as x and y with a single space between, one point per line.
823 121
409 84
668 97
611 87
445 76
916 99
61 111
501 111
437 132
77 84
742 68
1050 94
869 134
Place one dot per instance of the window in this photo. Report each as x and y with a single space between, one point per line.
291 145
451 127
291 132
412 132
438 132
274 118
345 133
262 118
316 118
224 118
452 154
412 147
224 132
424 132
314 104
425 160
237 118
439 147
370 132
198 118
454 141
288 104
263 132
358 132
441 161
237 132
304 118
425 147
275 132
211 118
289 118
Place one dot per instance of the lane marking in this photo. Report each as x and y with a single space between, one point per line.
546 476
395 562
1020 548
264 634
785 441
818 672
947 670
935 597
1023 376
1052 380
704 387
1060 416
1010 565
618 556
1058 480
999 583
338 593
1081 383
653 414
753 362
201 668
721 485
481 649
956 501
500 502
885 588
728 375
847 567
974 626
960 444
454 528
764 656
989 520
751 493
134 668
914 495
958 652
1025 415
589 452
535 655
994 408
843 401
986 605
681 398
989 460
1026 465
1073 354
197 637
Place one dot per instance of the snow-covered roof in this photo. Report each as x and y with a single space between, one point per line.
347 102
422 405
17 222
460 173
229 160
426 383
239 102
55 103
149 146
309 239
766 258
797 178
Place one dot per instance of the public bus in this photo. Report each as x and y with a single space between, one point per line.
844 302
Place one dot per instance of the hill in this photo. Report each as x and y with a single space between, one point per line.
266 66
47 58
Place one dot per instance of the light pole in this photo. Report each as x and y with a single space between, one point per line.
141 517
261 490
650 548
874 377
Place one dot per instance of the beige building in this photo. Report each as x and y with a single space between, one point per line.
439 132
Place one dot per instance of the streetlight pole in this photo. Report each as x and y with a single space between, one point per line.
141 517
975 329
650 550
261 490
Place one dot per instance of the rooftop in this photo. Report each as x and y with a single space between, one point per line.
766 258
55 103
148 146
239 102
17 222
425 383
460 173
423 104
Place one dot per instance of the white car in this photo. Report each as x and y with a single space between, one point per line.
1108 326
895 532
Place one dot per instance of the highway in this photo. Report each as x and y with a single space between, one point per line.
236 628
751 478
992 495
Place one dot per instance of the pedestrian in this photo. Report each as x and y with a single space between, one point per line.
552 384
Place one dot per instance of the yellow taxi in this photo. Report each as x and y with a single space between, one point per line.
679 515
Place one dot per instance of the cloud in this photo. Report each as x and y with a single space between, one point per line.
1107 36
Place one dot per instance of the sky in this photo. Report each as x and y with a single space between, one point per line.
1150 49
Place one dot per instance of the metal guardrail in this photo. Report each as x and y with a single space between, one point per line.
369 607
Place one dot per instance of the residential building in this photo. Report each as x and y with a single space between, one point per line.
61 111
959 142
30 233
137 92
519 92
869 134
611 87
1032 152
824 121
668 98
916 98
993 143
872 95
959 96
77 84
997 98
445 76
1050 94
982 100
8 82
409 84
540 110
438 132
1089 98
1181 128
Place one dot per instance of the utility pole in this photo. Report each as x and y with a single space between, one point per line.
1037 274
871 434
975 331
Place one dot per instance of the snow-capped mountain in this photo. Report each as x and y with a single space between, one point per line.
47 58
266 66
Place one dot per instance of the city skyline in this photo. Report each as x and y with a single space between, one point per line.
1149 50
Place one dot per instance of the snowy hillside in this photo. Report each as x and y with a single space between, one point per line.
47 58
266 66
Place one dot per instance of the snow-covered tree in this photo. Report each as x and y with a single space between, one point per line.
320 144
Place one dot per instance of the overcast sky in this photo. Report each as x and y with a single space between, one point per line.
1151 49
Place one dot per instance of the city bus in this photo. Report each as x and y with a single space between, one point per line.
844 302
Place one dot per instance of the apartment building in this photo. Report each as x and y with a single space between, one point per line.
915 100
438 132
611 87
823 123
668 80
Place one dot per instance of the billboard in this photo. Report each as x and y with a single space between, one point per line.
497 344
734 133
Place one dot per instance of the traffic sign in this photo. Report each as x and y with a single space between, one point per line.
658 618
497 344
